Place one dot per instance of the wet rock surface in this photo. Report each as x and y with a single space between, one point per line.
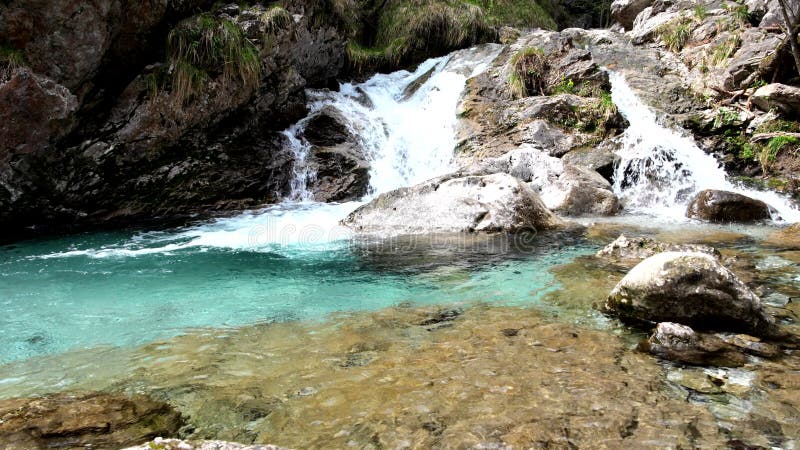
723 206
176 444
487 203
339 167
84 421
788 237
694 289
680 343
635 249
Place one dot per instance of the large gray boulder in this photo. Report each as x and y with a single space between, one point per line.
585 192
490 203
723 206
693 289
781 97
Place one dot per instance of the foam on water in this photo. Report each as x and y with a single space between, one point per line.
662 168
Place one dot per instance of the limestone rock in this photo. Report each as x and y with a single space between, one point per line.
681 343
488 203
639 248
585 192
724 206
693 289
624 12
781 97
177 444
83 421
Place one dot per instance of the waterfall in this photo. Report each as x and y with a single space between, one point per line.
408 135
660 169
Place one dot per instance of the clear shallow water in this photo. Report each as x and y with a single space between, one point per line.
78 292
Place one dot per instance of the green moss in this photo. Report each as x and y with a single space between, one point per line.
528 69
725 117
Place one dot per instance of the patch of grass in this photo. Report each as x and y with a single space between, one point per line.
738 10
778 126
517 13
676 33
700 11
204 46
528 69
10 60
725 49
275 19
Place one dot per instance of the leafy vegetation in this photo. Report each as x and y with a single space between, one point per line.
725 49
205 45
738 10
528 69
700 12
517 13
674 34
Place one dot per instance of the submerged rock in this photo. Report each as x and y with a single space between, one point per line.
177 444
497 202
639 248
86 421
786 238
681 343
724 206
690 288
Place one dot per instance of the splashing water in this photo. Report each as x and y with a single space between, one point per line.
661 169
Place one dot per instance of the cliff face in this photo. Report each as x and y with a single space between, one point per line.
98 126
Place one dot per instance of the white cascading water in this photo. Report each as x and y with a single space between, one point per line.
660 169
407 139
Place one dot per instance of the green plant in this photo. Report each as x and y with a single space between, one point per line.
757 83
205 45
10 59
725 117
738 11
778 126
527 77
700 11
565 86
519 13
276 18
676 33
747 152
725 49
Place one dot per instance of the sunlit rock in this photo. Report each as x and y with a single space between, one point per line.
639 248
723 206
84 421
497 202
693 289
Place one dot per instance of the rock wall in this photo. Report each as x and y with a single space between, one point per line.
88 140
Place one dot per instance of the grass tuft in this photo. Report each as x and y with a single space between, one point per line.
676 33
276 19
205 46
528 70
10 60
